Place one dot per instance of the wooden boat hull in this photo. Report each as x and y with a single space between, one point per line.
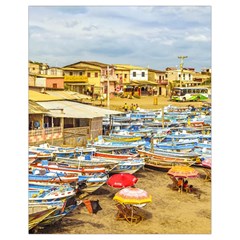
164 166
38 214
164 158
128 166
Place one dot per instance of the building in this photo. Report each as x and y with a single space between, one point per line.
90 77
34 69
49 82
174 74
160 78
136 80
59 121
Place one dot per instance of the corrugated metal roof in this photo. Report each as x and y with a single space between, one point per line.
75 110
37 97
68 95
34 108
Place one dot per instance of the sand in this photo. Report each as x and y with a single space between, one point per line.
170 212
146 102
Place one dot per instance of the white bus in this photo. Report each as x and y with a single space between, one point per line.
189 94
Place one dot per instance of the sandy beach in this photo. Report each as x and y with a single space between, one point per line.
170 212
147 102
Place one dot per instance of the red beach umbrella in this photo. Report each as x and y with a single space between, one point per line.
122 180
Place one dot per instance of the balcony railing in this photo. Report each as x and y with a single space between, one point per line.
163 82
45 131
111 78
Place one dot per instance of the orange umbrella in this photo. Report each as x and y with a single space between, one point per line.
183 172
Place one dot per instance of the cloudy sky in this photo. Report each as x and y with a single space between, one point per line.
143 36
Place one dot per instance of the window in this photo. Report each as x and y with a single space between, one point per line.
70 73
125 75
143 74
80 73
54 85
134 74
179 75
89 74
96 74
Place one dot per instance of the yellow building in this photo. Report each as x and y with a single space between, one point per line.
160 78
90 76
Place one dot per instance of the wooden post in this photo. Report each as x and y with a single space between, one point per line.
162 117
52 130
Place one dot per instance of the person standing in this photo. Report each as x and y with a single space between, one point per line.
125 107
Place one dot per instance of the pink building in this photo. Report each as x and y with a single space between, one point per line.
50 82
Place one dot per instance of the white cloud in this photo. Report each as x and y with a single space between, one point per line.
122 33
197 38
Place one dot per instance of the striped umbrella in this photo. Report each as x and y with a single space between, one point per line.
132 195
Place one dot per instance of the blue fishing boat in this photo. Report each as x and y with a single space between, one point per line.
52 194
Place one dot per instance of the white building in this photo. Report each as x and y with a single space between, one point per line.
139 75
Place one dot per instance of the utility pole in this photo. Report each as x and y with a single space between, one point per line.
108 97
181 68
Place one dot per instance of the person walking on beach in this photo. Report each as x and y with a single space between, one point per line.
125 107
134 108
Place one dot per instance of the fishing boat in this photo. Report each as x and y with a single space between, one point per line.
168 153
44 175
53 194
128 166
161 157
42 185
66 168
165 164
119 138
89 161
57 151
93 183
114 155
111 146
63 208
175 147
38 213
